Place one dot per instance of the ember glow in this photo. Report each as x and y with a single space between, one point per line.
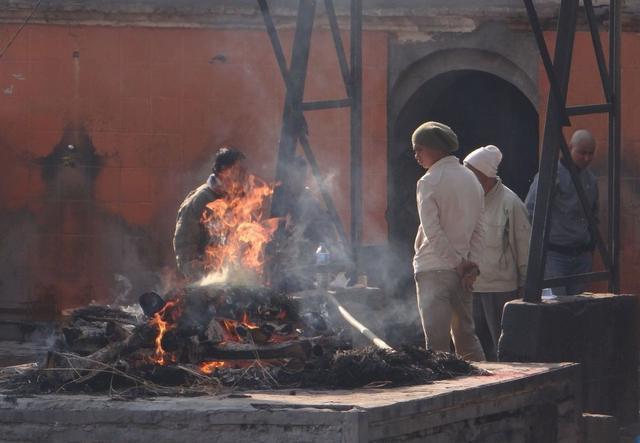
210 366
240 232
247 322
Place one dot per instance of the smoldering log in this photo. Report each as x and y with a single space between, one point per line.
356 324
302 349
99 313
227 301
142 336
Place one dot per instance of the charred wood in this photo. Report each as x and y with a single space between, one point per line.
150 302
99 313
301 349
143 336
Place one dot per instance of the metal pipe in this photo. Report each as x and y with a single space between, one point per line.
554 84
615 121
578 278
293 123
356 130
597 46
272 32
356 324
326 104
589 109
337 41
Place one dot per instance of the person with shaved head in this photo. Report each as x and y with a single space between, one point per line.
570 247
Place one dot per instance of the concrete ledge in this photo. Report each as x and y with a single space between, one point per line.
597 331
518 402
600 429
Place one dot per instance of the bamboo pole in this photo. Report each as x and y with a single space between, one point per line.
356 324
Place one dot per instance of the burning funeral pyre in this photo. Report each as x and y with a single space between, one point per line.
228 330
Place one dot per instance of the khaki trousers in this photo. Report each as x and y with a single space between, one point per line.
446 311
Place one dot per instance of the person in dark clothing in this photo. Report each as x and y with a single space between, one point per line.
191 237
570 246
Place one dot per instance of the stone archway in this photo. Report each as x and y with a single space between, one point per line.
447 60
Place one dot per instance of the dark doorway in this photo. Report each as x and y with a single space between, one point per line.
482 109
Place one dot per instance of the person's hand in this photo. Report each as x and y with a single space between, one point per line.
469 279
467 271
463 267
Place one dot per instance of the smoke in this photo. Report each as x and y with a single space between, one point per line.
121 290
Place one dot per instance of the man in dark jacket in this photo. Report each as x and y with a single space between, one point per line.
191 237
570 246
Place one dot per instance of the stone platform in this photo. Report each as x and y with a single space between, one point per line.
518 402
599 331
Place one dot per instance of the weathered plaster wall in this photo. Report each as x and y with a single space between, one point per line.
398 15
146 106
145 109
493 48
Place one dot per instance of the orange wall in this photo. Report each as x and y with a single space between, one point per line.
155 103
586 88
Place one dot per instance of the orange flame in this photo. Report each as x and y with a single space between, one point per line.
247 322
163 326
210 366
236 223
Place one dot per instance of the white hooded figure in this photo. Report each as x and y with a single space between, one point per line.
503 265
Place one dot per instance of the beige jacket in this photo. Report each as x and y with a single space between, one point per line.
503 264
450 204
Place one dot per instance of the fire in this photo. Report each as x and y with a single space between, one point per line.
163 326
229 329
247 322
240 232
210 366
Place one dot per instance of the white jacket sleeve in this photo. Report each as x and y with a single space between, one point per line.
519 237
477 239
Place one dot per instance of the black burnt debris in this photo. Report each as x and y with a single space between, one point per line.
211 338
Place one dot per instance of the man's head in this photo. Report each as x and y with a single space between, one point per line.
484 162
582 147
432 141
229 166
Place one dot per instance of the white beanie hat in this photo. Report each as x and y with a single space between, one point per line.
485 160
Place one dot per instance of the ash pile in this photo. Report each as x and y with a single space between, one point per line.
208 339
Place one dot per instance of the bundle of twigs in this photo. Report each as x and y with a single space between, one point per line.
102 378
383 367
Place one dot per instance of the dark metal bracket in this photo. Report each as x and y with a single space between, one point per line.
294 126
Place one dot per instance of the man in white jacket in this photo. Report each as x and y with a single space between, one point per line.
449 242
503 264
